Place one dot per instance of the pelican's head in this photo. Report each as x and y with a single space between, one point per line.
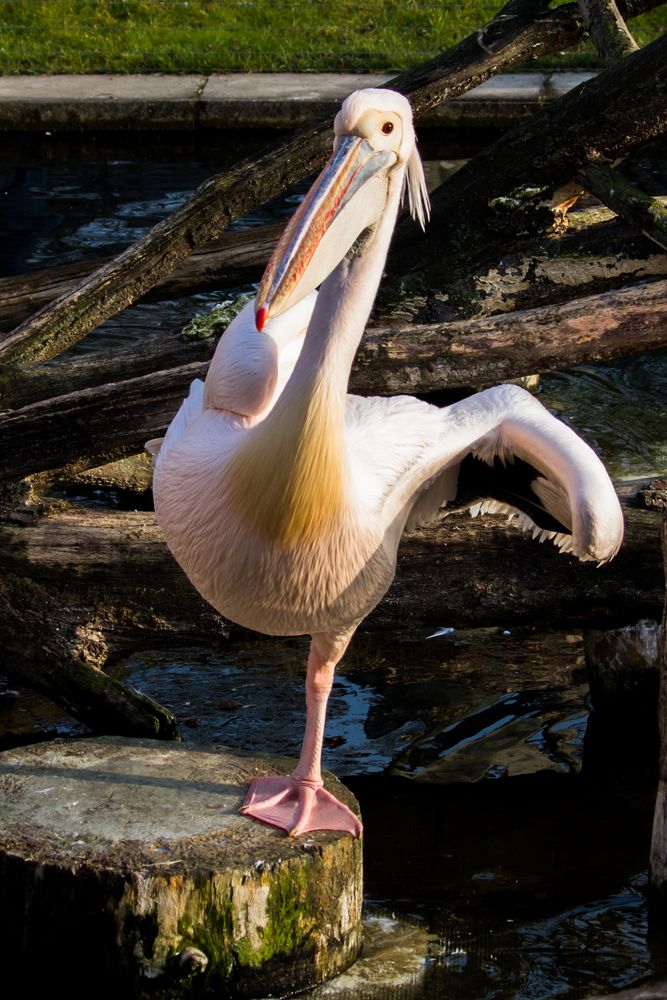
375 149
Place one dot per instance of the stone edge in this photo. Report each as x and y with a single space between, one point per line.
265 101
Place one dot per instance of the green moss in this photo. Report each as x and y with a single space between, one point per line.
284 905
287 927
214 936
215 322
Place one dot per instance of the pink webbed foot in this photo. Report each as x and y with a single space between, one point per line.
298 806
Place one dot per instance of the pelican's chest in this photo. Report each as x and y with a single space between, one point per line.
310 585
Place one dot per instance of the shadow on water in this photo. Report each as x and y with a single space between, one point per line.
532 888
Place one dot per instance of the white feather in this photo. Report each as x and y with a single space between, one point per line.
415 186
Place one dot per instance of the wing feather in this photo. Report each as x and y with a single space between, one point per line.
535 468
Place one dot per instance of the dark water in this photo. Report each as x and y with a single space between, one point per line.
507 832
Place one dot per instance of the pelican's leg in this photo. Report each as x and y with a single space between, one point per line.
299 803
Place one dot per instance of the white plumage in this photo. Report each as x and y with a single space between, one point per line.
284 498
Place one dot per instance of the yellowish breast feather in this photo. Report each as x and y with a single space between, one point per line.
287 479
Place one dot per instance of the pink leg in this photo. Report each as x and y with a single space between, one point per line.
299 803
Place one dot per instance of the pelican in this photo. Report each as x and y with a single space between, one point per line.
284 498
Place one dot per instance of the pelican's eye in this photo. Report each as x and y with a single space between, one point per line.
388 128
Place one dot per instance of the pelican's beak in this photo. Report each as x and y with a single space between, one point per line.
353 163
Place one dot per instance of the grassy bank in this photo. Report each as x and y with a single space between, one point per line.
131 36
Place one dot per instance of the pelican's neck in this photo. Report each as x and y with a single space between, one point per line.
343 306
290 478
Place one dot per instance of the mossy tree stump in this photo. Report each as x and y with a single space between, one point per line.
125 866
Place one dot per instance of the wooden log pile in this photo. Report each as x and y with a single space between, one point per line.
510 280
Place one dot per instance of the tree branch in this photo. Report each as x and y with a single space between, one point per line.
616 192
520 32
608 30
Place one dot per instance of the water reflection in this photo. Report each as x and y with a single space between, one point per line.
532 890
585 949
621 409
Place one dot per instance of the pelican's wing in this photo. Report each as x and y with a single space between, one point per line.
189 410
499 450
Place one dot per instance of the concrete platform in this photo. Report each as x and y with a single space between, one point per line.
267 101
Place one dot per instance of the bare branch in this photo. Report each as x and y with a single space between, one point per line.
608 30
616 192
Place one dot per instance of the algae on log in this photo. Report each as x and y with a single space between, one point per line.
160 887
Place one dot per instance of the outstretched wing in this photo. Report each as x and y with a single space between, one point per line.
497 451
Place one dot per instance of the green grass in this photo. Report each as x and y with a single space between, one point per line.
218 36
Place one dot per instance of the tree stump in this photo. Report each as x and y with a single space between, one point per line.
623 667
125 867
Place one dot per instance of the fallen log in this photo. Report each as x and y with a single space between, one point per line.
113 584
596 252
81 587
593 251
521 31
487 350
456 572
234 259
507 188
21 385
96 425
